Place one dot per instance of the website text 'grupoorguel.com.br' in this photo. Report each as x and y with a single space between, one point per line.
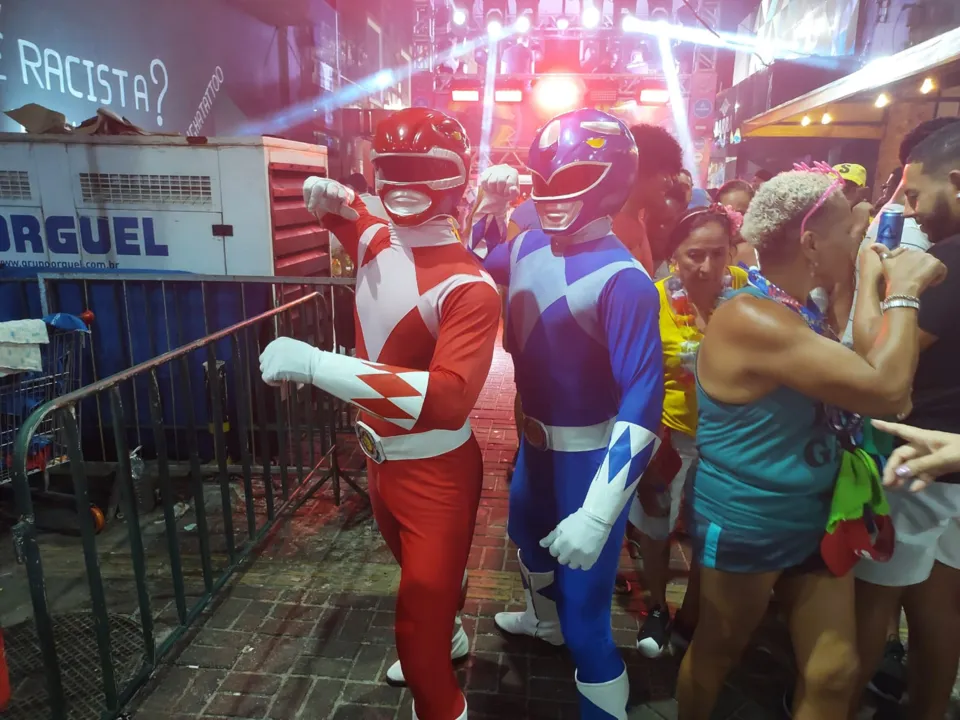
60 264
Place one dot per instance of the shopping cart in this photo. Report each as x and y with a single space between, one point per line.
22 393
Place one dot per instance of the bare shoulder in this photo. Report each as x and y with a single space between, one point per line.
754 322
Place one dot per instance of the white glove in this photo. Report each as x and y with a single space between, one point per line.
499 185
578 540
324 196
289 360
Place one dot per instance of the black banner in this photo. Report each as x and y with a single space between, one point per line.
204 68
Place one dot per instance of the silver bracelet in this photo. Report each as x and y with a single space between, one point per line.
903 296
900 301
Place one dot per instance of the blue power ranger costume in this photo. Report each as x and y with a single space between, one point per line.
582 325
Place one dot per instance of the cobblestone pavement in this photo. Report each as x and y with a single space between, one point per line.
305 631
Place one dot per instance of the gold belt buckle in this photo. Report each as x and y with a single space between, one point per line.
535 433
370 442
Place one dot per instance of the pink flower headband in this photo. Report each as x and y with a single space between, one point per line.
735 218
819 168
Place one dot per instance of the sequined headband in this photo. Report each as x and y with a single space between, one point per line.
819 168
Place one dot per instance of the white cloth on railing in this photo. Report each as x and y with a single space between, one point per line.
20 342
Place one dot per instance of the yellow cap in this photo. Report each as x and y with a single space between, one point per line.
857 174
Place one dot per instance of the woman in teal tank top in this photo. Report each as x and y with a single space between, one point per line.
775 391
765 479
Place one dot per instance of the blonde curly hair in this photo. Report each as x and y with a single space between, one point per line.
780 204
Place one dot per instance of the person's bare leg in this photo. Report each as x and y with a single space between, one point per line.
875 606
933 619
689 613
823 629
731 607
656 566
893 629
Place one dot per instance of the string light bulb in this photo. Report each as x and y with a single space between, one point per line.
882 100
928 86
826 119
805 120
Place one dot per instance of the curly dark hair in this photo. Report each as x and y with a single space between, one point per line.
697 218
659 151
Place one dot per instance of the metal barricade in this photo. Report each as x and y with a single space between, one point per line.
140 315
274 452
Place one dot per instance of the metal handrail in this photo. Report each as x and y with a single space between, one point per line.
37 416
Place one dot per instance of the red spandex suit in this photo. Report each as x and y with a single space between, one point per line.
427 318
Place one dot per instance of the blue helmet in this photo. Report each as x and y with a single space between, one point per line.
584 164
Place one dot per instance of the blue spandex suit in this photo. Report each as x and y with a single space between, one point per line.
582 326
584 335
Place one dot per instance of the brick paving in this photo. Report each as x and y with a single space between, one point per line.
305 631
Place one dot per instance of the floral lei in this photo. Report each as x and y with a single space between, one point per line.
811 314
684 314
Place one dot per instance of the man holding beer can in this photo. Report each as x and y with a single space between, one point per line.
923 576
909 234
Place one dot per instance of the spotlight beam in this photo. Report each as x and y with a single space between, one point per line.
677 103
709 38
352 93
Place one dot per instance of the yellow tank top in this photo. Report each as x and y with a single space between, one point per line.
680 392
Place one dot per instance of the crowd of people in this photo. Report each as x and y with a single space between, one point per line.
737 359
756 517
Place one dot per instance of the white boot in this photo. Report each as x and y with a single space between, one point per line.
459 648
461 716
540 619
611 696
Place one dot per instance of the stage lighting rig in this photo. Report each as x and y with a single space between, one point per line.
459 16
622 10
524 22
441 16
530 8
660 10
591 17
494 24
563 23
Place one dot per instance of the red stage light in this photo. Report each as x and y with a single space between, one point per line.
654 96
508 96
465 95
557 94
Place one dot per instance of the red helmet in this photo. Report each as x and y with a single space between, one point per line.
422 163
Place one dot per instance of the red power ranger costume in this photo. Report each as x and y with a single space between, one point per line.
427 318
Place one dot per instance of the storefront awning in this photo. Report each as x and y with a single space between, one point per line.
851 101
